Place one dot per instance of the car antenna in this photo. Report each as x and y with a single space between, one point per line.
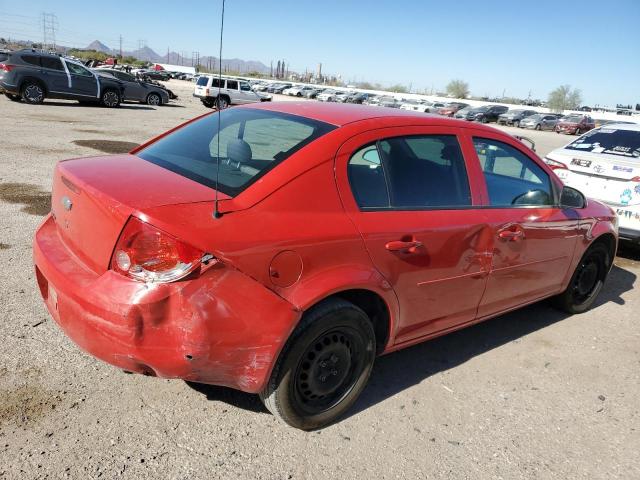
216 211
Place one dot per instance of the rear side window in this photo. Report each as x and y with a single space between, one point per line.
31 60
512 178
415 172
251 142
51 63
232 84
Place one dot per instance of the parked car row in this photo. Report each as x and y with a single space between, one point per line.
32 76
214 91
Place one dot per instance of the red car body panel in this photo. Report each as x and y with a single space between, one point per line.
584 125
293 238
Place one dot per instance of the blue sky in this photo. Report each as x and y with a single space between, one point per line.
495 45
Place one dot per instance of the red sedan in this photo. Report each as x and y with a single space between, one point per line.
341 232
575 124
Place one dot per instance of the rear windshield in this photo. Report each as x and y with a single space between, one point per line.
251 142
609 140
202 81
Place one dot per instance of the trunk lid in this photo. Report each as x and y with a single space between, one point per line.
92 198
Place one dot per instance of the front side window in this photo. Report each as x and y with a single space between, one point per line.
512 178
250 142
414 172
76 69
245 87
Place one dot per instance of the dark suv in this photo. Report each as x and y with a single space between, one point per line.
33 76
486 113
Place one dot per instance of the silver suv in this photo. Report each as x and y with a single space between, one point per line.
232 92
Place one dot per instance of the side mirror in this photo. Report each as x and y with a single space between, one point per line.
572 198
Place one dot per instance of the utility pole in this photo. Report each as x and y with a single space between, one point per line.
121 47
49 27
167 54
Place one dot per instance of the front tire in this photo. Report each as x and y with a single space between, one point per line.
154 99
586 282
110 99
33 93
324 366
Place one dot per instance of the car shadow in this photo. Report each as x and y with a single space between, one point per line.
125 106
400 370
172 105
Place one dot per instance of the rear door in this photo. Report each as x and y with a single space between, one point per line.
533 240
245 94
408 193
54 74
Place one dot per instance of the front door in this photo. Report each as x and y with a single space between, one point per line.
533 239
407 191
84 83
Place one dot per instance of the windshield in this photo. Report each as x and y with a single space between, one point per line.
534 118
609 140
481 109
572 118
251 142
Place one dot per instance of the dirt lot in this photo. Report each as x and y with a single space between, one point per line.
532 394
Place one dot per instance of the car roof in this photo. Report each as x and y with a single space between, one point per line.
340 114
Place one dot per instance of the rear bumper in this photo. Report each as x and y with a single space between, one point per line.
219 327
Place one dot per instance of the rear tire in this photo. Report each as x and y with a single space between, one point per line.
586 282
33 92
110 98
324 366
208 102
222 102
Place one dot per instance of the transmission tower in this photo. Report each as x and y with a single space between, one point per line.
49 27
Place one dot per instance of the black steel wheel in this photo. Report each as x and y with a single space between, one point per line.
33 92
110 98
208 102
324 367
587 280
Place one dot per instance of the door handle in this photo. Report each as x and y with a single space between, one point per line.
511 235
400 246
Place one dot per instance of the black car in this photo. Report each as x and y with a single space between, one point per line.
155 75
32 76
359 97
486 113
137 90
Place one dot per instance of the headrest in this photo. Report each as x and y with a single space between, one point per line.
239 151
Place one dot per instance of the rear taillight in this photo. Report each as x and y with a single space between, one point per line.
6 68
635 179
148 254
554 164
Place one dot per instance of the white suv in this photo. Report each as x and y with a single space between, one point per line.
232 92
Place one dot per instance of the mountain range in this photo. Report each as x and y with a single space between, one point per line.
149 55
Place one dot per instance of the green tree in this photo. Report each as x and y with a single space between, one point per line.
458 89
398 89
564 98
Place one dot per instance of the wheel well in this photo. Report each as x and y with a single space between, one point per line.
34 80
376 309
609 241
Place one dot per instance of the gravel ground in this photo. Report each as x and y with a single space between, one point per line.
532 394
